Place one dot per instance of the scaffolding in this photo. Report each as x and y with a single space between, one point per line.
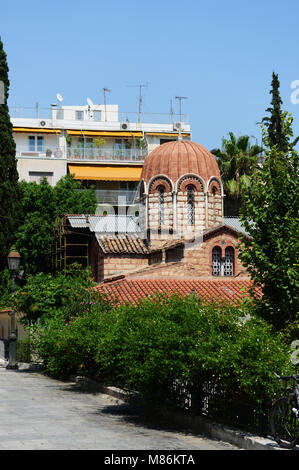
69 245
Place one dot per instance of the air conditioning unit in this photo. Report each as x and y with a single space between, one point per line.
42 123
124 125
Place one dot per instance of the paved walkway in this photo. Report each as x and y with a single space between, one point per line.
41 413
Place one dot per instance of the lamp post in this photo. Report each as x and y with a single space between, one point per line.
13 264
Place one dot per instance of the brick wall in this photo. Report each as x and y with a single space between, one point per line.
122 263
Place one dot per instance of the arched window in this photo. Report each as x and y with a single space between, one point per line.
216 261
228 268
214 191
161 191
190 204
220 266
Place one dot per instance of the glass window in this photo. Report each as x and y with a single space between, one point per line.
97 115
190 204
161 192
31 143
216 261
223 267
40 144
37 176
35 143
79 115
228 269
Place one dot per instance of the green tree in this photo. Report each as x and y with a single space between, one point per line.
237 160
9 193
270 216
276 121
41 204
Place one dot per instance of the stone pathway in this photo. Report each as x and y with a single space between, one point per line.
41 413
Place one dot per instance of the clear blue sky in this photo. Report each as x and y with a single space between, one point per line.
220 54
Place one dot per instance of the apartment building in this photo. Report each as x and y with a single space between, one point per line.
98 144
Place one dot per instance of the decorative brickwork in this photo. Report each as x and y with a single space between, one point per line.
187 180
160 181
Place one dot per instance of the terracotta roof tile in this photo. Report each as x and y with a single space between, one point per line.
177 158
129 244
126 290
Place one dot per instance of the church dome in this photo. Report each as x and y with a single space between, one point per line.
178 158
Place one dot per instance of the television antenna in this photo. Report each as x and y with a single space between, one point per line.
180 98
105 90
171 111
140 97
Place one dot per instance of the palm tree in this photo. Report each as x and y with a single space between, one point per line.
237 160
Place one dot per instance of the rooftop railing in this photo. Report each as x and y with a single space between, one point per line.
116 116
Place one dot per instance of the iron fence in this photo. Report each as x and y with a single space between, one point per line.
209 400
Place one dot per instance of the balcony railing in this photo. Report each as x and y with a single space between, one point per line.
40 151
106 154
115 197
87 154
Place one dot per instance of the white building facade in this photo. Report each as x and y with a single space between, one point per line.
96 143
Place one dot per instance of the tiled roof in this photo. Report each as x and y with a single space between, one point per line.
125 290
129 244
177 158
132 244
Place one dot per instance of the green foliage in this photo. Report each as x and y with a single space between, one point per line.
270 216
24 350
9 193
43 295
277 133
41 204
5 288
166 340
237 160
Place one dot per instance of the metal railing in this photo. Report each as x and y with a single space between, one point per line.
35 112
209 400
39 151
106 154
88 154
115 197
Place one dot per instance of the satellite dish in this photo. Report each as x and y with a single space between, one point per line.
90 103
59 97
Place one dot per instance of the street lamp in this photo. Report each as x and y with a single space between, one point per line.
13 259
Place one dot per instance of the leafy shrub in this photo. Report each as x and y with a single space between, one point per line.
43 294
161 341
158 342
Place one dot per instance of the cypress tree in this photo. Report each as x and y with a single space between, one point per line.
270 217
275 123
9 192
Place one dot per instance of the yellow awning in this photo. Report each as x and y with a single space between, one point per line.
37 130
105 133
106 173
164 134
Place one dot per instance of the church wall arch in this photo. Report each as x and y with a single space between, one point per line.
160 207
215 202
190 205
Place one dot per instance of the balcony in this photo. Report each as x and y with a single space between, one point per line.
82 154
115 197
106 154
39 151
